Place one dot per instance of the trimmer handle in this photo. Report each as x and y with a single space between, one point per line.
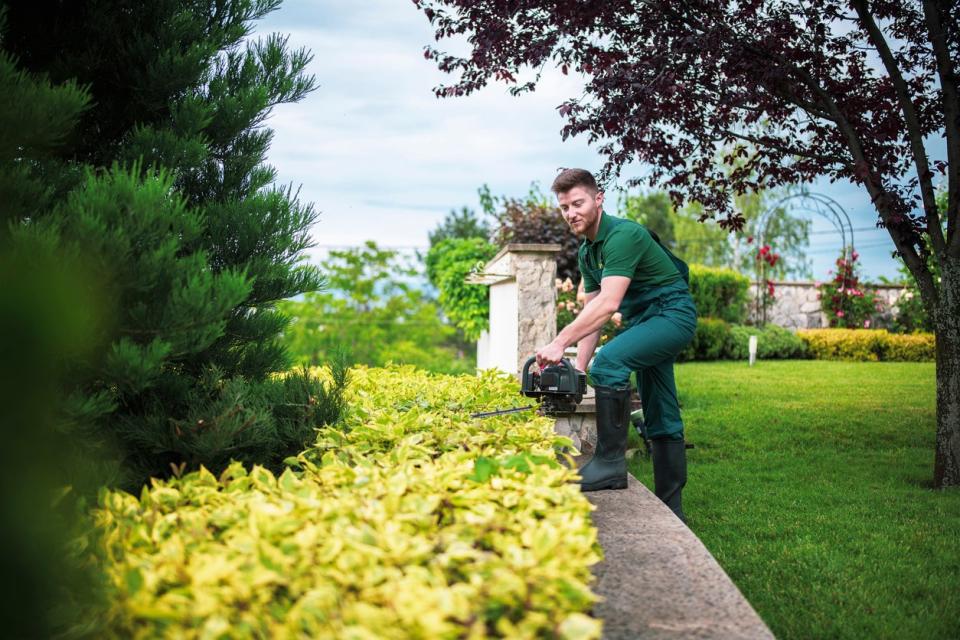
528 386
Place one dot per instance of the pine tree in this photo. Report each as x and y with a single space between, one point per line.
45 315
162 192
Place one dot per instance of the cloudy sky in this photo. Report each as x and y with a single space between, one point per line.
383 159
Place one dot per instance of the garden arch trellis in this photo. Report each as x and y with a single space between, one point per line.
811 202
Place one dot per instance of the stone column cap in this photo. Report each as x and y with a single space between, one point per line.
521 247
494 272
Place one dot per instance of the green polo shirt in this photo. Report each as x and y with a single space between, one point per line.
625 248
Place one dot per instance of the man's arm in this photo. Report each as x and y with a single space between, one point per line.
594 315
588 343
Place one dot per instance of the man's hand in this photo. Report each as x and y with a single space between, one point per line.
550 354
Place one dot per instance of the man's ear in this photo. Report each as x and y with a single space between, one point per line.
599 198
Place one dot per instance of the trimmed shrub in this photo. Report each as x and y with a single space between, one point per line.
412 521
773 343
716 339
711 341
868 345
719 293
915 347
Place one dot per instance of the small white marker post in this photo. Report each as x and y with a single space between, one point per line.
753 349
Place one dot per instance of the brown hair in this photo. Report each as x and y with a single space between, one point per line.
570 178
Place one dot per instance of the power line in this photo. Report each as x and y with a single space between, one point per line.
834 231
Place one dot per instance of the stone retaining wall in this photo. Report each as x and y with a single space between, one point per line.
796 305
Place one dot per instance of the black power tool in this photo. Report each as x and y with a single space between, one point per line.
558 387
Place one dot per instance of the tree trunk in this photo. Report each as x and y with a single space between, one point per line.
946 471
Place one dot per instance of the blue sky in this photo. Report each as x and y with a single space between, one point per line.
382 159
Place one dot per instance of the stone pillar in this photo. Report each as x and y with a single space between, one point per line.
523 317
523 305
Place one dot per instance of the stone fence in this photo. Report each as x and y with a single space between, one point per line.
796 305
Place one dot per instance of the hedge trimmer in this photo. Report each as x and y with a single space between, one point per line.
558 388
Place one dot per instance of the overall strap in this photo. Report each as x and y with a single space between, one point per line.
677 262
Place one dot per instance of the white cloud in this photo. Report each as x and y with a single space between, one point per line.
383 159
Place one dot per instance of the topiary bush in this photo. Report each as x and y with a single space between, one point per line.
719 293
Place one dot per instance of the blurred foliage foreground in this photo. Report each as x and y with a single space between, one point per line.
407 520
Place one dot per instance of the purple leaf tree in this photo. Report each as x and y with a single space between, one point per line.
783 91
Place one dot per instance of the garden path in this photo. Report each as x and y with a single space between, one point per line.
657 578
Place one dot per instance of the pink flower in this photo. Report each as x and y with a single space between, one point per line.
561 306
840 313
866 324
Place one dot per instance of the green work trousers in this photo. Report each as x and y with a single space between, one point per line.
649 346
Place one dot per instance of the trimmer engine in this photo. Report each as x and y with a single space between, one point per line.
558 387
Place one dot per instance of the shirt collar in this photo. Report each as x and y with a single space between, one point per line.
603 230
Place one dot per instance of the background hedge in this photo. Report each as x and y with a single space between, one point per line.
868 345
716 339
719 293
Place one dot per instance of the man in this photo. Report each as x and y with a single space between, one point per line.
626 269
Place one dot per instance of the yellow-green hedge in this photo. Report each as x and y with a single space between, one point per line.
409 521
868 345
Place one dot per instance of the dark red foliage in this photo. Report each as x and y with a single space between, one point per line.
534 222
780 91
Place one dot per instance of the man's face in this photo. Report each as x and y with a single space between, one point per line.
580 209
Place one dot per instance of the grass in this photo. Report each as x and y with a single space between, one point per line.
811 485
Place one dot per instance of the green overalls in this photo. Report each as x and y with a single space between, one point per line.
658 313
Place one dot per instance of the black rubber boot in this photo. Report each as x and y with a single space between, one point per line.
669 472
608 467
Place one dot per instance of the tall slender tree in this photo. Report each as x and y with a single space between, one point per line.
852 89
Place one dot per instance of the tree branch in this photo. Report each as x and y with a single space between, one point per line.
878 193
951 112
787 149
924 174
874 186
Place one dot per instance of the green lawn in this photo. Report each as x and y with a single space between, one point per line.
811 485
